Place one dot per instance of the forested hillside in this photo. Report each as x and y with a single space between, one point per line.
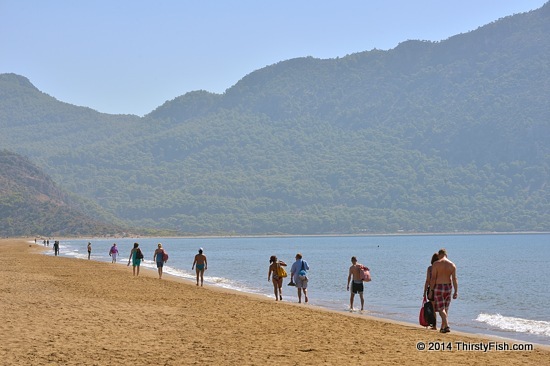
32 204
427 137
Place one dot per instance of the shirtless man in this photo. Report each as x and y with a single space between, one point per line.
443 273
201 265
357 284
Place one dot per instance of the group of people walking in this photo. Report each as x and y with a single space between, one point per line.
160 257
440 280
298 276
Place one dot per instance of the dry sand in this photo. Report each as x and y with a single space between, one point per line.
63 311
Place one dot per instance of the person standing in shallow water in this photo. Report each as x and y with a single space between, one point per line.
89 250
357 284
277 281
201 265
135 257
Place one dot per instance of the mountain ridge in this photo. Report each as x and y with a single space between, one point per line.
426 137
31 204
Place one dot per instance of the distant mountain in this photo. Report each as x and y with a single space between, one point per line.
32 204
427 137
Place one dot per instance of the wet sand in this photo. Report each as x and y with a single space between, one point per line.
66 311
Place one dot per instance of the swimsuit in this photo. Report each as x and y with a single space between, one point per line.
442 296
159 259
135 260
357 287
200 267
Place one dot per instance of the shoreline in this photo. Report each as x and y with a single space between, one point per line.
60 310
466 328
220 236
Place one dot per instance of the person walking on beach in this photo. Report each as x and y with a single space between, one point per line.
201 265
56 247
298 273
435 258
113 253
357 284
274 268
135 256
442 282
158 257
89 250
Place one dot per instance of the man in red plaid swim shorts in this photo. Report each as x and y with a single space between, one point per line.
443 274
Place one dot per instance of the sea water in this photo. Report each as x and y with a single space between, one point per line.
503 289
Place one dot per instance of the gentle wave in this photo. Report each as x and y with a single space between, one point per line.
512 324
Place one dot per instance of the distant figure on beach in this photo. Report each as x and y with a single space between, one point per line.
298 273
113 253
201 265
274 267
158 257
357 284
135 256
56 247
89 250
435 258
442 282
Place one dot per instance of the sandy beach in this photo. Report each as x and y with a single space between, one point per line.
64 311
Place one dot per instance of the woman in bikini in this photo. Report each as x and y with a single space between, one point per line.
277 281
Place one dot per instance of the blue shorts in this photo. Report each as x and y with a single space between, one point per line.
160 264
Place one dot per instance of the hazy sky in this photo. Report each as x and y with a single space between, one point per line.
130 56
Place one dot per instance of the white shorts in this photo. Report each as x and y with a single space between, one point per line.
301 283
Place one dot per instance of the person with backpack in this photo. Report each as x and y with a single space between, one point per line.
159 257
275 268
298 274
357 284
135 256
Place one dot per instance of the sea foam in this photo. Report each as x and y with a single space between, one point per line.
512 324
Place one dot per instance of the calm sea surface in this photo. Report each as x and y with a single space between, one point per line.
503 289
